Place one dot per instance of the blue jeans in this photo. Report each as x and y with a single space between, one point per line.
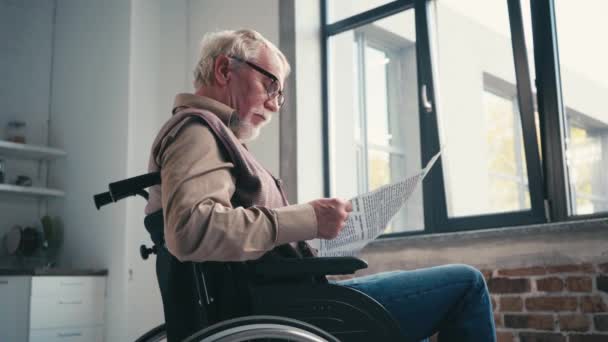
452 300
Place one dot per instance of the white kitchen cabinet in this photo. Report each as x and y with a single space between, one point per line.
67 334
52 308
68 286
67 307
14 307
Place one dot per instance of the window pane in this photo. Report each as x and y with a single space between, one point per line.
345 137
584 76
373 111
507 177
377 96
480 126
341 9
379 169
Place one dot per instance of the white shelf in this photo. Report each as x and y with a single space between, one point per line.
24 151
31 191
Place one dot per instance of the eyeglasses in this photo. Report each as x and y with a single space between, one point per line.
273 89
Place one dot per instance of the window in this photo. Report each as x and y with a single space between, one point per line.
508 185
584 82
507 138
338 10
586 138
587 163
373 110
406 77
485 167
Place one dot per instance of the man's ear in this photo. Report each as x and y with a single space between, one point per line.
221 70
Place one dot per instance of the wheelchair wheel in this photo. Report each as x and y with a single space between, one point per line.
157 334
261 328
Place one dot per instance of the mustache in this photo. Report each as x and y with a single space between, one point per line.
235 120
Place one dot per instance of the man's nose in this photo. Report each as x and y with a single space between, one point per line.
272 104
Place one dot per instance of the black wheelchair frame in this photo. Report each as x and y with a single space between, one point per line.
231 299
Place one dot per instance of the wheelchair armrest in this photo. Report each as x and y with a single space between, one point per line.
288 267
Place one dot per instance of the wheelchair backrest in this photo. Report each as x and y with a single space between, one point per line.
191 292
196 295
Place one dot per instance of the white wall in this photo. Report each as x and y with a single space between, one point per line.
309 104
260 15
25 70
90 107
26 31
155 74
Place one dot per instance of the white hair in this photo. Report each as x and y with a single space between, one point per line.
245 44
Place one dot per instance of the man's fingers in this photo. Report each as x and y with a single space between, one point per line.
349 206
332 215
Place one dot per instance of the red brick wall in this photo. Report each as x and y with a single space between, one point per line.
562 303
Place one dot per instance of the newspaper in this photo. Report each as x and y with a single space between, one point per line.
371 214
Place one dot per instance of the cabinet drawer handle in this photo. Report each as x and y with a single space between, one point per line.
3 282
72 283
72 302
70 334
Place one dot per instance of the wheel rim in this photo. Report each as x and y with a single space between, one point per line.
156 334
264 327
254 331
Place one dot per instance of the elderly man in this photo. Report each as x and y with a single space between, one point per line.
220 204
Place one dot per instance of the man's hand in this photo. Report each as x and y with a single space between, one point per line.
331 216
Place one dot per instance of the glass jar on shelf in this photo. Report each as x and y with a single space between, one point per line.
16 131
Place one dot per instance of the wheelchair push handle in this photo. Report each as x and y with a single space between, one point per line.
127 187
133 186
102 199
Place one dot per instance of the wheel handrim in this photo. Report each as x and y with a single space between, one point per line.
260 330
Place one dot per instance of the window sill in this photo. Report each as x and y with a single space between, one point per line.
542 244
578 226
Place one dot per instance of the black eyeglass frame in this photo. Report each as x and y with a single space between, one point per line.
275 80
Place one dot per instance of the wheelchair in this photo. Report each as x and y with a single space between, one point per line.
269 299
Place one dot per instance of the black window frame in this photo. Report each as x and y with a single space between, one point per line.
547 179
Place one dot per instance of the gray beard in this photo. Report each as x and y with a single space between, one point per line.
244 131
